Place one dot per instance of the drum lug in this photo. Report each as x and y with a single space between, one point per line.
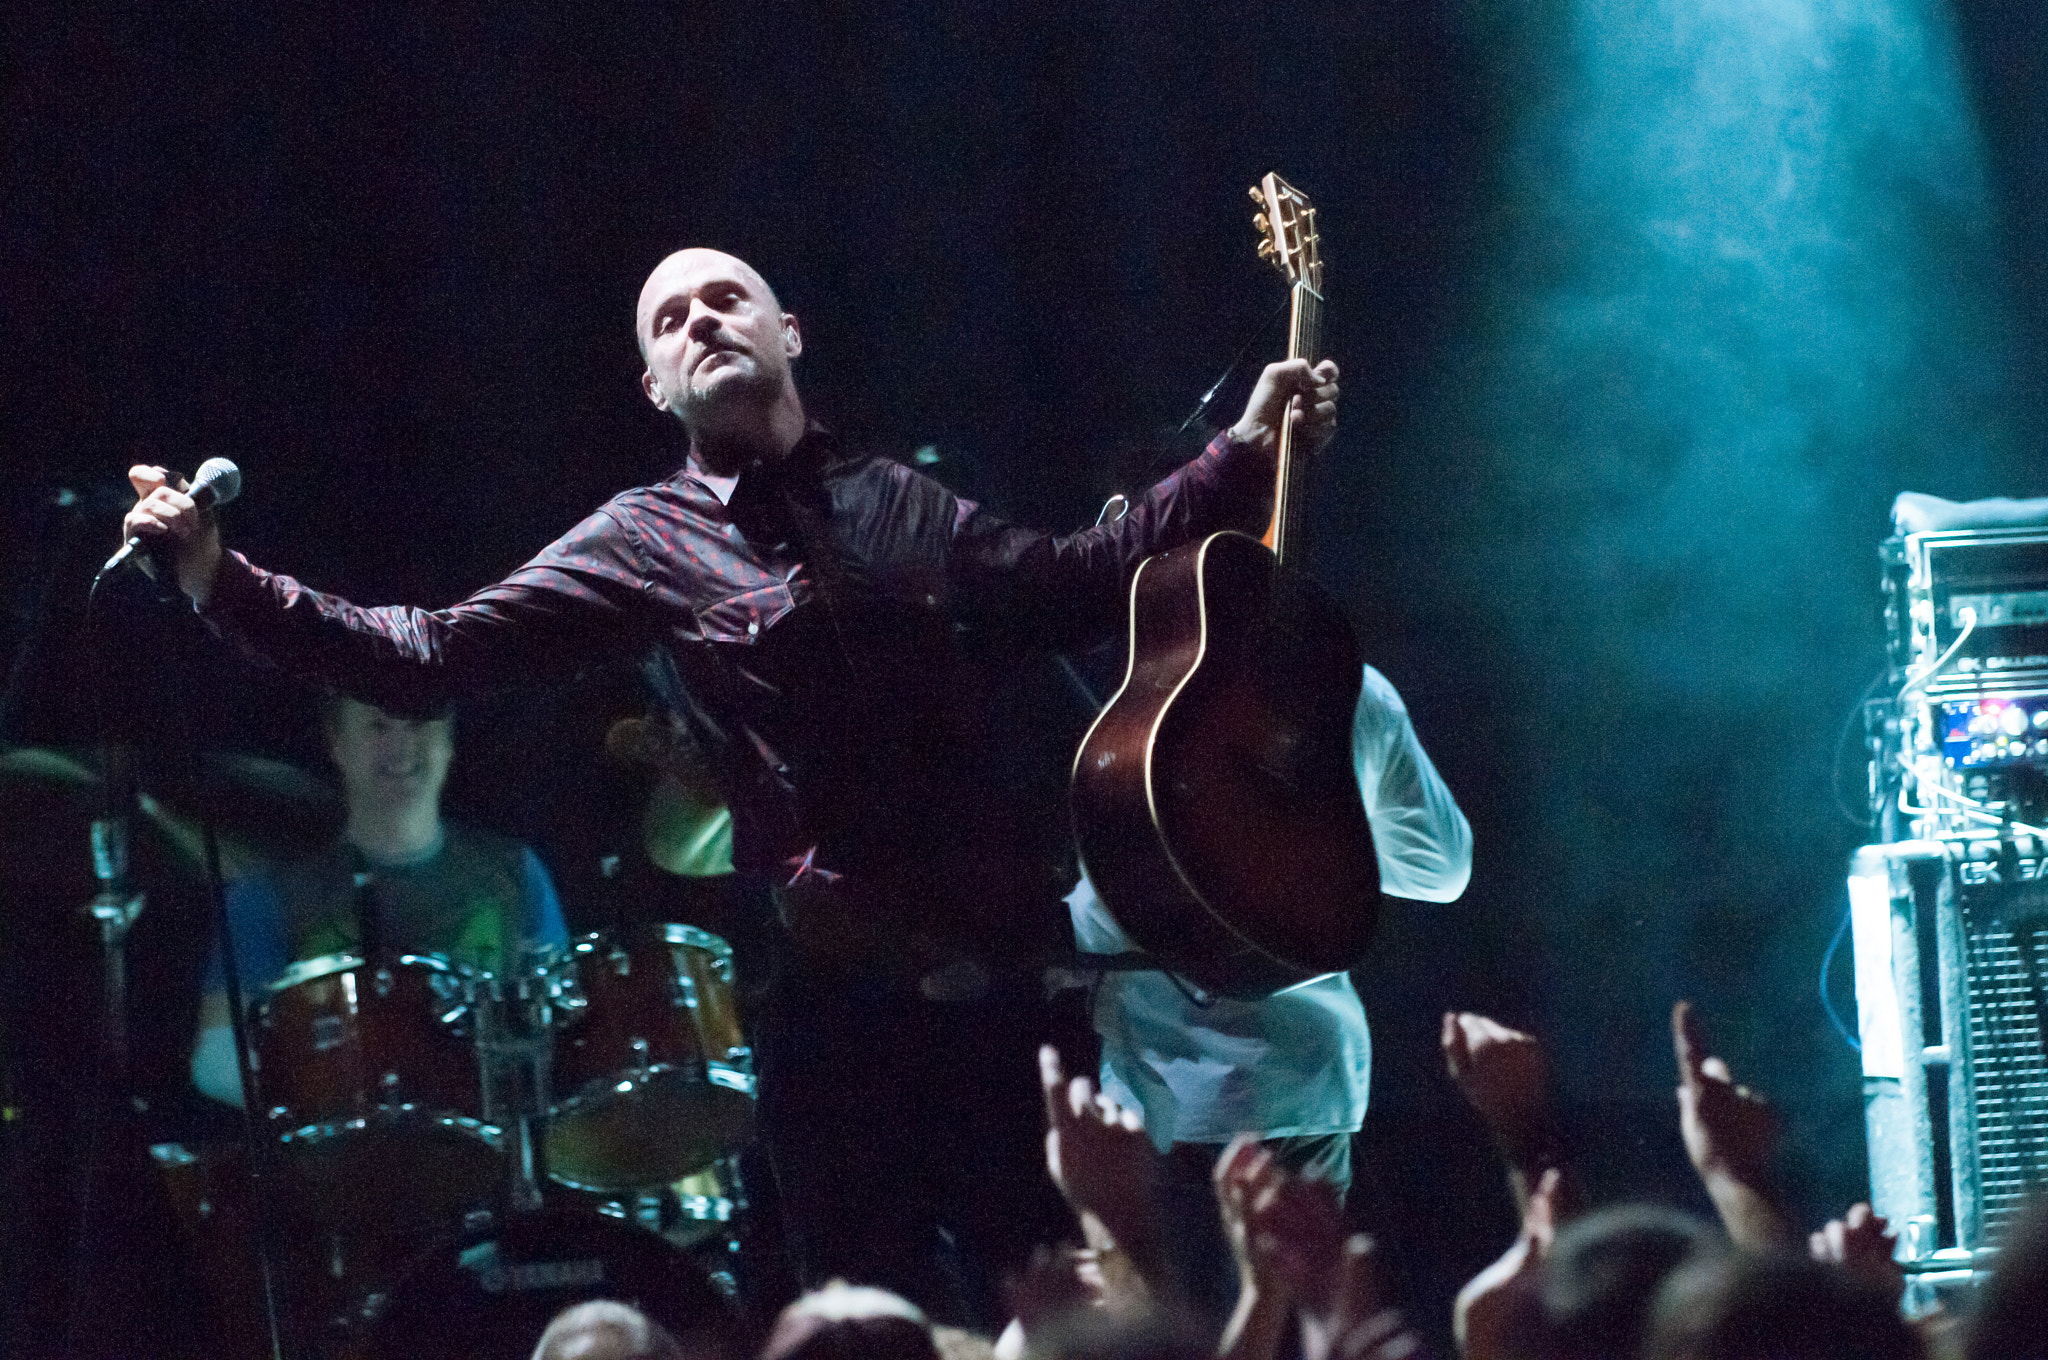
389 1083
382 982
622 962
641 1050
686 990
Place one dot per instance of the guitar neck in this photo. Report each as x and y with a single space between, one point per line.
1304 341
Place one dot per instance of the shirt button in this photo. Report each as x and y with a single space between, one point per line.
753 630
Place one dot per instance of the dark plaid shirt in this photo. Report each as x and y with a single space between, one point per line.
834 630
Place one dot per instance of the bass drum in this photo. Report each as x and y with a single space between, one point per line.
653 1071
370 1081
493 1291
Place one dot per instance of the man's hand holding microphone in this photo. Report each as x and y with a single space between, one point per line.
170 511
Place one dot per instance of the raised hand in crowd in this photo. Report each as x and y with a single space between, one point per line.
1730 1133
1294 1259
1504 1075
1101 1160
1491 1310
1355 1323
1862 1242
1247 1174
1058 1281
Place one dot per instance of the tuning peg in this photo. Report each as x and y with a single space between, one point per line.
1259 221
1258 194
1266 249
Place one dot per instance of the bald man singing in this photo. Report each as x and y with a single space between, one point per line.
834 620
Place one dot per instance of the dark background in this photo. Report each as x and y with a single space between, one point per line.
1645 315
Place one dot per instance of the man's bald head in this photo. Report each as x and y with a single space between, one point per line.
682 262
718 348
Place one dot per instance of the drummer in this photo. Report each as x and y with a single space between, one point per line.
398 879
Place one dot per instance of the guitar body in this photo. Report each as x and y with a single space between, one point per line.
1214 801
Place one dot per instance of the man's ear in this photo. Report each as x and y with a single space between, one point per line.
653 390
792 338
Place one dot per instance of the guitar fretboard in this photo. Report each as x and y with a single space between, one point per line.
1304 341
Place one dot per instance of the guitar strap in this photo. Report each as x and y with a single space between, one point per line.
1096 966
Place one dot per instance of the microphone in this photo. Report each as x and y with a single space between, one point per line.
217 482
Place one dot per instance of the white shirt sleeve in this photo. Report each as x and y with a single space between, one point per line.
1423 840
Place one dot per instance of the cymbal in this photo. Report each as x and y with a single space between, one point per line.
60 768
264 809
686 829
48 800
685 834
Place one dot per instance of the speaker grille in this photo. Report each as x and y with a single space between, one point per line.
2006 928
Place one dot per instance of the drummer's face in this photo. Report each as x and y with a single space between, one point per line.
395 762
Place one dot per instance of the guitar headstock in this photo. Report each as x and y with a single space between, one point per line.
1287 228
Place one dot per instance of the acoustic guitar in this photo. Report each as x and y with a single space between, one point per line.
1214 803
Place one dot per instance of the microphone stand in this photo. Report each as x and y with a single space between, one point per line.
116 914
115 908
259 1151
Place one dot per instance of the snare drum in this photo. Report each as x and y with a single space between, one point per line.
654 1070
370 1081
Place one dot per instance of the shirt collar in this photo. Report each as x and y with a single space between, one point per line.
815 449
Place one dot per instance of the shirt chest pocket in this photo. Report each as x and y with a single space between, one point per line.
745 616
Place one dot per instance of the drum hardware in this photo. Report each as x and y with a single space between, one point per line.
515 1019
654 1072
490 1292
410 1094
374 1092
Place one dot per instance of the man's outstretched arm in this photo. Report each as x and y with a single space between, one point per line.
547 618
1071 583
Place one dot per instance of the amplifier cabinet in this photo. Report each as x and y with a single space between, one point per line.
1951 941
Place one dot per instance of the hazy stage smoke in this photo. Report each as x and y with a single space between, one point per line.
1739 288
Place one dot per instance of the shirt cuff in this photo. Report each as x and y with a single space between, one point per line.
234 584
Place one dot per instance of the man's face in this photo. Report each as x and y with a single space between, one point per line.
713 335
386 763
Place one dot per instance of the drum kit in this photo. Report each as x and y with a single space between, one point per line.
444 1156
457 1151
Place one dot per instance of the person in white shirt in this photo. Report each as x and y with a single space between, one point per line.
1295 1068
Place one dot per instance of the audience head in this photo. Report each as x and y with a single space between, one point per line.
1593 1298
850 1322
1121 1334
604 1330
1742 1306
2010 1319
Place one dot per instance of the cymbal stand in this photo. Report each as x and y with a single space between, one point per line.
115 907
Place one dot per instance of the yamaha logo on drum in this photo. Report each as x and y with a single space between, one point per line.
533 1275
